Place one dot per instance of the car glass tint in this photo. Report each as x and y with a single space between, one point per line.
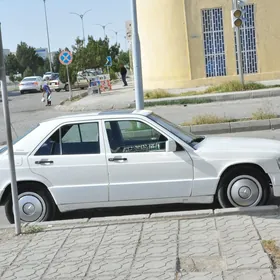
29 79
51 146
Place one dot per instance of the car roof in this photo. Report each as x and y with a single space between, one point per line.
31 77
105 114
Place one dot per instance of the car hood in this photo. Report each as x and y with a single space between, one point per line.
238 144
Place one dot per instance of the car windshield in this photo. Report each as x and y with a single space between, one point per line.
187 137
29 79
4 148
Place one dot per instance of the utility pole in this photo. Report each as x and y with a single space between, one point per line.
237 23
48 36
137 64
6 111
81 16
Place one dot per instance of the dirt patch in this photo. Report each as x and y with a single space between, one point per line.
273 250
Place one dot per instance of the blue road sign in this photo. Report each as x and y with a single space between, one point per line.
65 57
109 61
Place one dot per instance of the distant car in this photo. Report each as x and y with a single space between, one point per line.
56 84
47 75
133 158
31 84
81 83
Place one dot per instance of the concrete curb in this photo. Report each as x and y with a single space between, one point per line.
217 97
197 214
78 96
232 127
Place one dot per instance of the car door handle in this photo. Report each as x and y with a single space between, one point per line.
44 162
117 159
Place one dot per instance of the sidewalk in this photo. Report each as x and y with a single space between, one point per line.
165 246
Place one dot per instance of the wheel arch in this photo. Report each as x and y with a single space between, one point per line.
7 190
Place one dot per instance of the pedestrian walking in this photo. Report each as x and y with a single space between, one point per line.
123 74
46 90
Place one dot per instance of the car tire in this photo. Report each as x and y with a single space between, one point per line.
31 195
58 90
243 187
66 88
82 88
21 92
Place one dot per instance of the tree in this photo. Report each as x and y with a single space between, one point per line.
124 58
11 64
27 72
12 77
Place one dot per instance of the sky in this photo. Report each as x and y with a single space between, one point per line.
24 20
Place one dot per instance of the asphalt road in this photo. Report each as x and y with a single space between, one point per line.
27 110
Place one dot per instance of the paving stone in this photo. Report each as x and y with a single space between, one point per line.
124 238
135 227
106 277
234 221
14 245
36 256
241 248
154 265
166 226
262 222
156 250
154 276
197 225
202 264
74 254
208 236
256 274
25 272
92 231
190 249
116 251
248 261
276 272
110 267
7 258
269 233
238 234
159 237
83 241
67 270
202 276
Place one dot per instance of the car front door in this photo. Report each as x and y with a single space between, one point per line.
73 160
139 166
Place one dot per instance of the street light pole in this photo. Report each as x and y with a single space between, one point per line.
116 33
81 16
6 111
137 64
48 36
104 28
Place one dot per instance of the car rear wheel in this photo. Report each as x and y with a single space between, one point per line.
243 187
21 92
35 205
58 90
66 88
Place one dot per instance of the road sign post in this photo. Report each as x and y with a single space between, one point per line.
6 111
65 58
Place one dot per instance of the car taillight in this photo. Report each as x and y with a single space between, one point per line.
56 83
35 83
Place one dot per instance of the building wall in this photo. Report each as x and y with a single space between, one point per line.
172 45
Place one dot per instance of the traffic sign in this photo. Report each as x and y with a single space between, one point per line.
65 57
109 61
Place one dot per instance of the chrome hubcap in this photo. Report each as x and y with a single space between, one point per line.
32 207
244 191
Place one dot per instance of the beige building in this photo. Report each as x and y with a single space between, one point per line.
189 43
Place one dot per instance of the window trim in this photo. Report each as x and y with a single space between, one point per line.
100 130
106 140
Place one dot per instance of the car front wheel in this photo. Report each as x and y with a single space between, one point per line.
35 205
243 187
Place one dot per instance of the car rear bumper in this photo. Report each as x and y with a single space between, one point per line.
29 88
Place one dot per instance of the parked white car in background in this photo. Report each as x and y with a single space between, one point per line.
31 84
56 84
47 75
126 158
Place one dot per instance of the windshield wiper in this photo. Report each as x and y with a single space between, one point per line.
197 139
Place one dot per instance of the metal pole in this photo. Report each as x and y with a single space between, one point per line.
70 89
239 47
137 64
104 30
47 26
82 18
9 139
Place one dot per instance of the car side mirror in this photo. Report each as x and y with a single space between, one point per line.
171 146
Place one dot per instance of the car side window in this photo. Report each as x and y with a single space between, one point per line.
72 139
134 137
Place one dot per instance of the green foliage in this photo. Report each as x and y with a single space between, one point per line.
113 75
124 58
11 64
27 72
12 77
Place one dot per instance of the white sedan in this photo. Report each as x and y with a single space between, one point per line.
131 158
31 84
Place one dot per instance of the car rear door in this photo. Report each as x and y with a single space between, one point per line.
73 160
139 166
